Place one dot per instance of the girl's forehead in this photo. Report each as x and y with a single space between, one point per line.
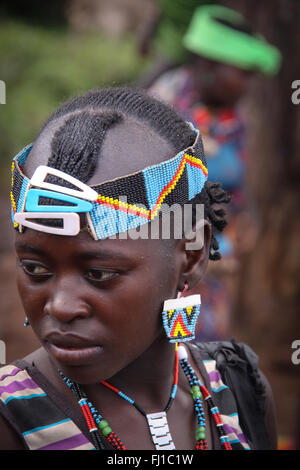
82 245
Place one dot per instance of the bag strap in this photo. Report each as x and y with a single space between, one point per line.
238 366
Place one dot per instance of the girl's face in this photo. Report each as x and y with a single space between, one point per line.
94 305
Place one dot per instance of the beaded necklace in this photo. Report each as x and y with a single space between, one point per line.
157 422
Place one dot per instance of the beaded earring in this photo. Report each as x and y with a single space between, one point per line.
180 316
26 322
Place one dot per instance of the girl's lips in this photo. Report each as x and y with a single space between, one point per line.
69 348
74 355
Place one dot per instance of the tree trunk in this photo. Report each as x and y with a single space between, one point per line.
268 294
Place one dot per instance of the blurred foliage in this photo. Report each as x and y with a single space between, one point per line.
44 67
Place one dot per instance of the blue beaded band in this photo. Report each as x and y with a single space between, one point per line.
122 204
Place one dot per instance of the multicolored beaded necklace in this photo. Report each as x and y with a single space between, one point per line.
157 422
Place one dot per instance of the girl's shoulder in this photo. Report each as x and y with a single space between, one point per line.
236 380
12 381
31 414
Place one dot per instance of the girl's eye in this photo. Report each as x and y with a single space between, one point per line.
97 275
34 269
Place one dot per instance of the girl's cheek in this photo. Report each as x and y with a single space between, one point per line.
32 297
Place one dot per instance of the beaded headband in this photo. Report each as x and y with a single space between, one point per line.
111 207
207 35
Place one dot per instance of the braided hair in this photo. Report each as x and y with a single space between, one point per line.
76 145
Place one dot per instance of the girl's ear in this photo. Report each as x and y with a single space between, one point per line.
195 249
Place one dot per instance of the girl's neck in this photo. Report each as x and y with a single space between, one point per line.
148 379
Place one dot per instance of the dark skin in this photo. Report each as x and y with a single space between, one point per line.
220 84
110 294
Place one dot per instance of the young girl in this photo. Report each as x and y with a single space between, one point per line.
111 309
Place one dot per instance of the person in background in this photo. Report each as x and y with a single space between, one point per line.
162 37
225 54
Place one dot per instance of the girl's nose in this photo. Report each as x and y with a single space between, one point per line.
65 302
